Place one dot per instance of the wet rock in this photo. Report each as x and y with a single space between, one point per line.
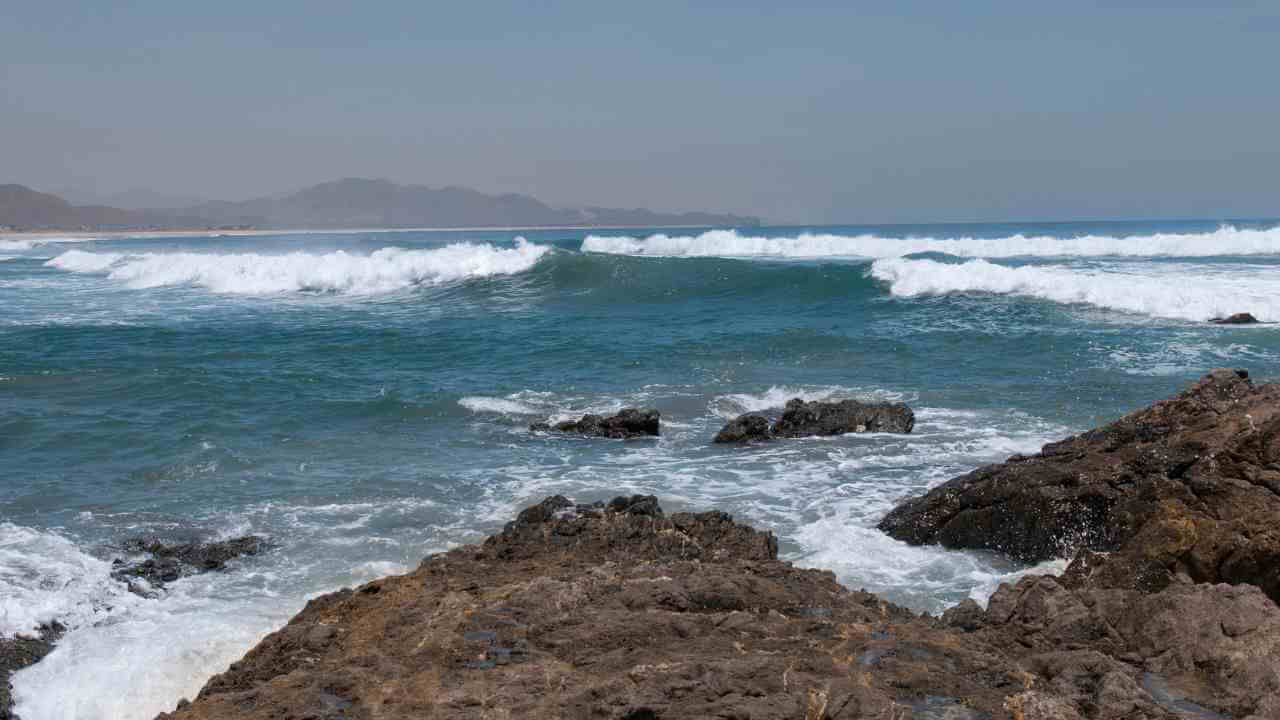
1237 319
628 423
620 610
166 562
19 652
1187 490
749 428
800 418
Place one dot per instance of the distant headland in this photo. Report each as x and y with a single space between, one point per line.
341 204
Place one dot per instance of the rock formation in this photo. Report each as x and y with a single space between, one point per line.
800 419
19 652
1237 319
628 423
1187 490
622 611
166 562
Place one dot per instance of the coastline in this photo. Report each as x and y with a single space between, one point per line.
619 610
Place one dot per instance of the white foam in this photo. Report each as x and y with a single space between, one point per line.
735 404
1178 291
46 577
382 271
1226 240
28 243
501 406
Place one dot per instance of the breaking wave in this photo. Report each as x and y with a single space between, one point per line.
1179 292
339 272
1226 240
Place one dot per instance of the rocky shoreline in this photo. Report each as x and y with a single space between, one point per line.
1168 609
620 610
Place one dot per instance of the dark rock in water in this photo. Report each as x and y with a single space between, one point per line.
801 418
170 561
1237 319
618 610
628 423
1185 490
19 652
747 428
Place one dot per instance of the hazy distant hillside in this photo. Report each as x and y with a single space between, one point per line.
135 199
380 203
24 208
349 203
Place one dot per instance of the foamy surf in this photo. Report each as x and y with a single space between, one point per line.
1177 292
729 243
29 243
339 272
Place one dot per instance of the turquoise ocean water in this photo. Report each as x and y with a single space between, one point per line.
362 398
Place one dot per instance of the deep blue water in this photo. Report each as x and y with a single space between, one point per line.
365 406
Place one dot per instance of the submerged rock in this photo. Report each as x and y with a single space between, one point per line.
1187 490
1237 319
19 652
800 419
620 610
628 423
167 562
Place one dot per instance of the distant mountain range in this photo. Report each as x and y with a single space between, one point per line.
348 203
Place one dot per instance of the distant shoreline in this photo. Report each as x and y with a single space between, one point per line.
311 231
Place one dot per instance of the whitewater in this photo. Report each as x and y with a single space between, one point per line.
363 399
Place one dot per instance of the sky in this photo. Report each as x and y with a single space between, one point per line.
850 112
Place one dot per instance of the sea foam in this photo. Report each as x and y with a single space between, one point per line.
340 272
1226 240
1176 291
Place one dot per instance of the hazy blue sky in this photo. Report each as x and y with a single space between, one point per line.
817 112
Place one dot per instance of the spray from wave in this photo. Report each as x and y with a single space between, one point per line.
338 272
728 243
1178 292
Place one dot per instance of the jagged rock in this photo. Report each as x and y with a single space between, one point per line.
619 610
19 652
169 561
1187 490
628 423
801 418
747 428
1237 319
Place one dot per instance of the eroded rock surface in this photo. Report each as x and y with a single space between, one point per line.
1187 490
801 419
621 610
628 423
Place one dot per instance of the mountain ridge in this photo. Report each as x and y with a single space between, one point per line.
346 203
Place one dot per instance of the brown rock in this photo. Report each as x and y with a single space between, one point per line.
1185 490
628 423
619 610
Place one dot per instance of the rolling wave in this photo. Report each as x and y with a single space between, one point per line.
338 272
1180 292
728 243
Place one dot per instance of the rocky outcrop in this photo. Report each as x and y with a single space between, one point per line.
800 419
749 428
628 423
159 562
19 652
620 610
1187 490
1237 319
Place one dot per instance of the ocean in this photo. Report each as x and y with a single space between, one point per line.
363 400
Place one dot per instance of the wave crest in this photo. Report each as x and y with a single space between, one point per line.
340 272
728 243
1178 292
